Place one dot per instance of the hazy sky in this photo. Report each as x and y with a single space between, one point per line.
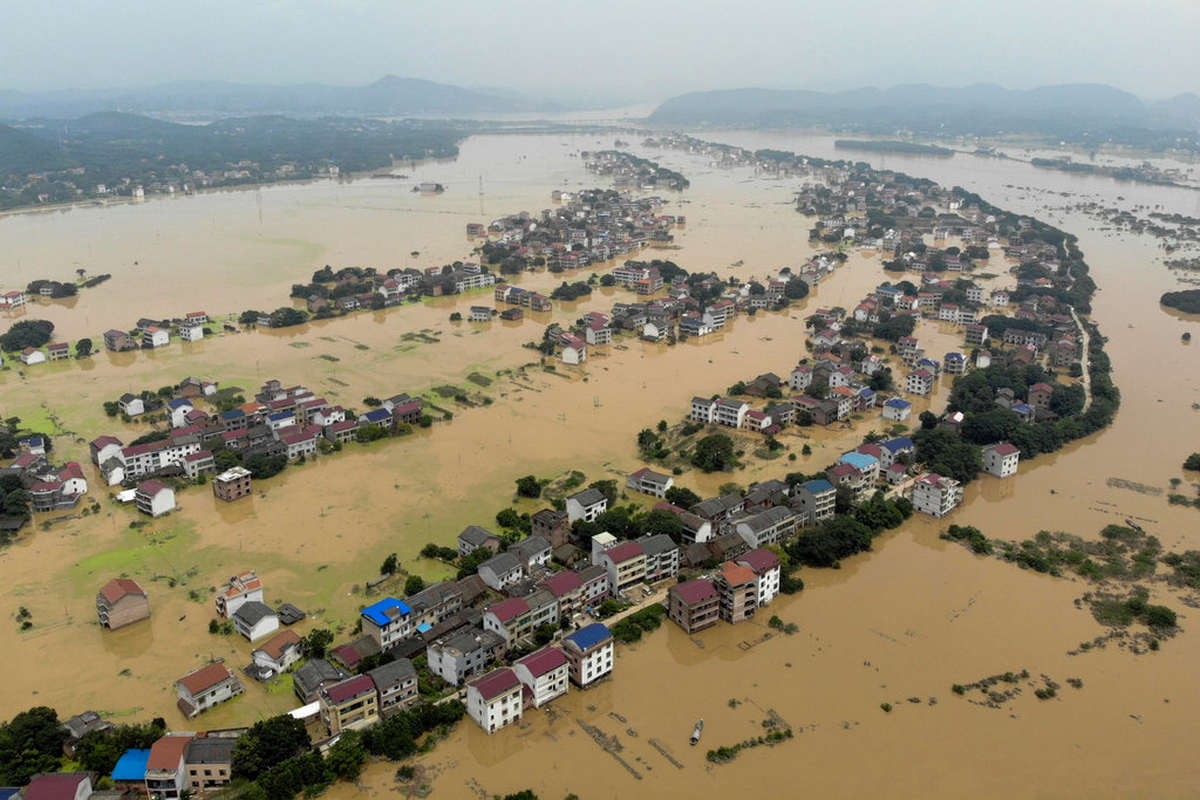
622 49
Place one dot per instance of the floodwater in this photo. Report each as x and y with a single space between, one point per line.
908 620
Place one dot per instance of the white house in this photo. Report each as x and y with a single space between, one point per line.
935 495
589 652
586 505
254 620
896 409
31 355
191 333
1001 459
574 350
494 700
766 568
544 674
275 655
919 382
155 336
704 409
154 498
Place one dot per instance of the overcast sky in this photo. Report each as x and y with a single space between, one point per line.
618 49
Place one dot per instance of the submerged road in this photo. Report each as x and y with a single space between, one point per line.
1085 379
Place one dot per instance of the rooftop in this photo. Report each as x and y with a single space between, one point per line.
694 591
624 552
378 612
252 612
131 766
167 752
205 677
349 688
589 636
117 588
760 560
545 660
735 574
496 683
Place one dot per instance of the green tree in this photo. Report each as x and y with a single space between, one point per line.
267 743
1192 462
529 486
346 757
413 585
389 565
661 521
83 348
713 453
317 642
929 420
31 742
679 496
27 333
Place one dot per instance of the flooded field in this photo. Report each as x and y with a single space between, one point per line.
906 621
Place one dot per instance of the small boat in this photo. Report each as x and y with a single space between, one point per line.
696 731
1134 525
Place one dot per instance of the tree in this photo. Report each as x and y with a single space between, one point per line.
929 420
317 642
389 565
662 426
347 756
508 518
31 742
413 585
98 751
608 488
544 633
713 453
263 466
267 743
943 451
795 289
679 496
249 317
1192 462
27 333
529 486
83 348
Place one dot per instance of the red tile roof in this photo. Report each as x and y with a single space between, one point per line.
167 752
694 591
509 609
151 487
562 583
760 560
1005 449
117 588
205 678
624 552
736 574
54 786
275 646
543 661
353 687
496 683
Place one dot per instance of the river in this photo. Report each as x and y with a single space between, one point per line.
905 621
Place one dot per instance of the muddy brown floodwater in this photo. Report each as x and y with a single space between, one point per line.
906 621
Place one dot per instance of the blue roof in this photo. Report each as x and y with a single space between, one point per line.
8 792
896 445
233 413
131 766
178 402
281 415
928 361
819 485
590 635
377 613
1022 408
424 627
955 356
34 440
859 461
896 402
377 415
866 393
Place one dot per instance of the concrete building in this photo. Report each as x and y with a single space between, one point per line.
154 498
694 605
240 589
206 687
254 620
494 700
1001 459
935 495
738 587
166 777
544 675
232 484
121 602
352 704
589 653
766 568
208 762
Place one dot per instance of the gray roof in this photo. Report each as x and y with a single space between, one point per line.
393 673
530 546
767 519
702 401
311 674
540 599
210 750
588 497
86 722
434 595
470 640
717 505
251 612
657 544
590 573
655 477
476 536
502 563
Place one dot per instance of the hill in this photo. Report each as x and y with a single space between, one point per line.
389 96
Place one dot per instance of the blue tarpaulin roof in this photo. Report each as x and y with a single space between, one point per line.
377 613
131 766
590 635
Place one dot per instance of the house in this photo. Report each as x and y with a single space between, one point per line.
509 618
199 463
897 410
58 786
387 622
480 314
693 605
351 654
59 351
208 762
314 675
1001 459
586 505
501 571
589 653
352 704
738 588
977 334
935 495
191 333
955 363
240 589
553 526
121 602
567 589
396 683
277 654
232 484
201 689
626 566
704 410
649 482
129 773
544 674
814 500
731 413
767 573
255 619
532 551
844 475
865 463
31 355
1039 395
891 450
594 580
919 382
154 336
464 653
662 556
495 700
154 498
766 527
574 349
81 725
474 537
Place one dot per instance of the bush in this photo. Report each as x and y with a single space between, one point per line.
529 486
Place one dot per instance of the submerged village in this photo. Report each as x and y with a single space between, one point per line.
542 603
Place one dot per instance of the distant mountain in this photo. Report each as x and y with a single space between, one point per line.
981 108
19 149
389 96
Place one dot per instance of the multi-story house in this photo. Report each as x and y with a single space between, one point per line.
767 527
1001 459
494 700
166 776
586 505
738 587
936 495
501 571
814 501
463 654
396 683
589 653
387 622
241 589
662 557
201 689
208 762
626 566
766 568
544 674
649 482
121 602
704 409
352 704
731 413
693 605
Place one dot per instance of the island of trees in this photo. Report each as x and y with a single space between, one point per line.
1187 300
